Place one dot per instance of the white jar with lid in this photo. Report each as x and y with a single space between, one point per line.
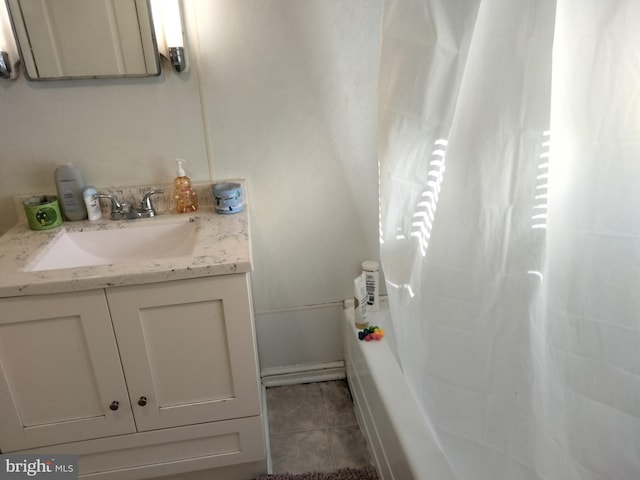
371 279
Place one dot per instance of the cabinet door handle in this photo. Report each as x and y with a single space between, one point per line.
142 401
114 405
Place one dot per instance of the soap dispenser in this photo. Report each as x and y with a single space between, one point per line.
183 194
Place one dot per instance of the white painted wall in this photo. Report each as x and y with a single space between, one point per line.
280 92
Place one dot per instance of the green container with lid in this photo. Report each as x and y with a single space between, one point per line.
43 212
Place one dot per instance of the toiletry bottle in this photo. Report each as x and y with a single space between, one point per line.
69 183
183 193
360 298
92 203
370 274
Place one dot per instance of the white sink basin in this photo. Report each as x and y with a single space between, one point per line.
118 245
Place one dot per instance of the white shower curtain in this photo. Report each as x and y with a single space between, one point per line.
510 229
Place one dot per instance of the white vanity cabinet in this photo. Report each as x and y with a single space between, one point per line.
187 350
60 371
137 380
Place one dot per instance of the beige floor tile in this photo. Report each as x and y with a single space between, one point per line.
313 427
349 447
337 403
294 408
301 452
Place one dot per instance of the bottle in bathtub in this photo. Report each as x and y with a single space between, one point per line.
371 279
360 298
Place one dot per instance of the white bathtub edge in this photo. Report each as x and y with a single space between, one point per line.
400 439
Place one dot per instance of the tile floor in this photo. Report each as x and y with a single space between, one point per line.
313 428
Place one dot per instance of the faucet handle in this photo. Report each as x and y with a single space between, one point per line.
146 205
118 209
115 204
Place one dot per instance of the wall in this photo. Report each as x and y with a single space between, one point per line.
280 92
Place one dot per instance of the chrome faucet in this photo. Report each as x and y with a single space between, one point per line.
146 209
125 211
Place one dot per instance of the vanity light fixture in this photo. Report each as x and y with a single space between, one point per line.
5 65
167 20
8 47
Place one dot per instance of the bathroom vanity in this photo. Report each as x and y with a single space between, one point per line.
142 367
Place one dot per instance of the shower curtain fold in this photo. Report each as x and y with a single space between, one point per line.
510 229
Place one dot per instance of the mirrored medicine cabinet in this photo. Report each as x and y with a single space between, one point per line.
68 39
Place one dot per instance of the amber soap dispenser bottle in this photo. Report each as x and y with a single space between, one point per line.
183 194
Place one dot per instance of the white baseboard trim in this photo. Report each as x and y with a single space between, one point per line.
296 374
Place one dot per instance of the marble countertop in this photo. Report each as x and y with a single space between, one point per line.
222 247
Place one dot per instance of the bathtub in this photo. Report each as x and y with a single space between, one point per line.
400 440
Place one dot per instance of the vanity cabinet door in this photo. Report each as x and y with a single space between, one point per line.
188 350
59 371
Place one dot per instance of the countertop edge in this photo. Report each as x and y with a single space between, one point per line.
105 282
